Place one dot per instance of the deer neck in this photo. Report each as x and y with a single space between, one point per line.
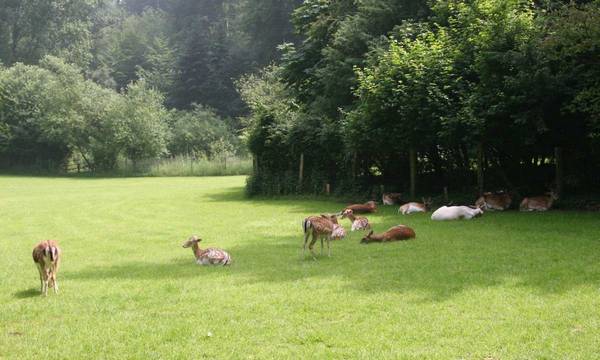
376 237
196 249
351 217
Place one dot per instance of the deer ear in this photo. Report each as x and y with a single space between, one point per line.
370 233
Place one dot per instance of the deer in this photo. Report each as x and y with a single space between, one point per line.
455 213
210 256
539 203
391 198
368 207
358 222
321 227
46 255
415 207
498 201
398 232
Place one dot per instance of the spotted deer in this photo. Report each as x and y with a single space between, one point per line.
358 222
391 198
539 203
46 255
324 227
415 207
398 232
210 256
368 207
498 201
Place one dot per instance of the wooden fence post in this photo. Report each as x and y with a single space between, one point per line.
412 155
558 162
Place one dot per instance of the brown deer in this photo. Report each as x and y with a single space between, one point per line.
358 222
539 203
497 201
415 207
210 256
398 232
46 256
368 207
320 227
391 198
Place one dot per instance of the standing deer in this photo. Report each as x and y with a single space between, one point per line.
539 203
358 222
321 227
391 198
498 201
415 207
210 256
398 232
368 207
46 256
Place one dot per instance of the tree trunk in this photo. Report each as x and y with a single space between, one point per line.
412 154
559 163
301 171
480 179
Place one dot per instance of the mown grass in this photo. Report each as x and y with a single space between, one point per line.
508 285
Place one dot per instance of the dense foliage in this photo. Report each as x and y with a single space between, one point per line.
94 81
472 95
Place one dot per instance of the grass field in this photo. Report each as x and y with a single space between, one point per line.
508 285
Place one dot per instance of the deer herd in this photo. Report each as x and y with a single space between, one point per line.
47 254
327 228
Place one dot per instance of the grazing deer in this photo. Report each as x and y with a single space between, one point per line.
398 232
46 256
358 222
391 198
210 256
415 207
498 201
368 207
321 227
539 203
455 213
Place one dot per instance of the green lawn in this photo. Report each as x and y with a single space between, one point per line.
508 285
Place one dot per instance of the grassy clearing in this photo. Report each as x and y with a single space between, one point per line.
508 285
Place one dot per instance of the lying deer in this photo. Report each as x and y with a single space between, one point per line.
210 256
399 232
498 201
455 213
358 222
46 256
368 207
321 227
539 203
415 207
391 198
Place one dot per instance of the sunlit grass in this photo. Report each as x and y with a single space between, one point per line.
507 285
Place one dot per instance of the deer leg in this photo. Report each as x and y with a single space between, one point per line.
306 236
321 245
41 278
311 245
328 246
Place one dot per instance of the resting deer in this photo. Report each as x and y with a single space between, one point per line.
498 201
358 222
321 227
210 256
46 256
391 198
539 203
455 213
368 207
398 232
415 207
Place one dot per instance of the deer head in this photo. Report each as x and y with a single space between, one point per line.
191 241
367 238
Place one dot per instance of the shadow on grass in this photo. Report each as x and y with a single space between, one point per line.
25 294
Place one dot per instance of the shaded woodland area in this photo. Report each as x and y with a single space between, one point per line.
413 95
